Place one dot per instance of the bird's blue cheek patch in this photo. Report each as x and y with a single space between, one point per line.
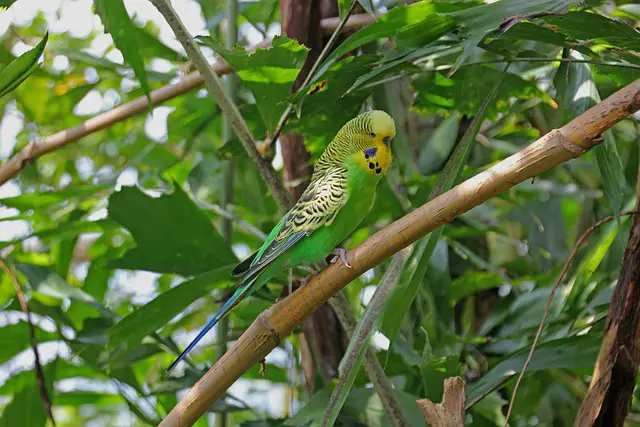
370 152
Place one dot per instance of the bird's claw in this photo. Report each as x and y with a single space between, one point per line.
340 253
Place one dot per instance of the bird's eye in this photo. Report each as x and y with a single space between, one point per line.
386 139
372 135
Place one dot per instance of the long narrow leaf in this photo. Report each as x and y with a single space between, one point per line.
116 22
21 68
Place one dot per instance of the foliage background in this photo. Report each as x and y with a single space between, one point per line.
119 277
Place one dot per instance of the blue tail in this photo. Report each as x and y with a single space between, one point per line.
237 297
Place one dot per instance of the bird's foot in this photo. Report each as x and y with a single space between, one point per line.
305 280
340 253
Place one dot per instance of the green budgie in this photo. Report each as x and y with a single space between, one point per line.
339 196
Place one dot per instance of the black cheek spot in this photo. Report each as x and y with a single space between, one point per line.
378 171
371 166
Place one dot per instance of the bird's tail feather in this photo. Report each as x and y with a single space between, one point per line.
235 299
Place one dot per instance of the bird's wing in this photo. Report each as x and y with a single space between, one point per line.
318 206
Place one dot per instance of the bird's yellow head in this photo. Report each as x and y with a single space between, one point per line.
374 152
364 141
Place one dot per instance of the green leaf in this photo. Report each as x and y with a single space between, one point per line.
40 200
478 21
47 282
438 148
564 353
320 119
464 92
268 73
473 282
577 92
417 24
589 264
344 5
6 3
159 311
116 21
172 234
22 67
26 408
596 29
15 339
64 369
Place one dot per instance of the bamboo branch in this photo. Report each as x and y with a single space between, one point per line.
40 379
266 332
226 104
191 81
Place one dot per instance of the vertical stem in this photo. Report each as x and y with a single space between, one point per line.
230 40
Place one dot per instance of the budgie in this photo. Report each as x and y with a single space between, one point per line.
339 196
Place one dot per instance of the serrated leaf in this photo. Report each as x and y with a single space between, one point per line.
116 21
22 67
159 311
6 3
188 244
268 73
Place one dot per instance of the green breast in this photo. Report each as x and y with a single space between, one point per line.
361 187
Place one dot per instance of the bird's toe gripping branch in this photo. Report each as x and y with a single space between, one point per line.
340 253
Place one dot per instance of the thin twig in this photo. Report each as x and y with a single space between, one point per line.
573 254
226 104
327 48
42 384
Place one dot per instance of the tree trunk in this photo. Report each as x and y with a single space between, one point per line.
614 377
323 339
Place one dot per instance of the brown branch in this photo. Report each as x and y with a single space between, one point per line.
266 332
42 146
573 254
449 413
42 384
